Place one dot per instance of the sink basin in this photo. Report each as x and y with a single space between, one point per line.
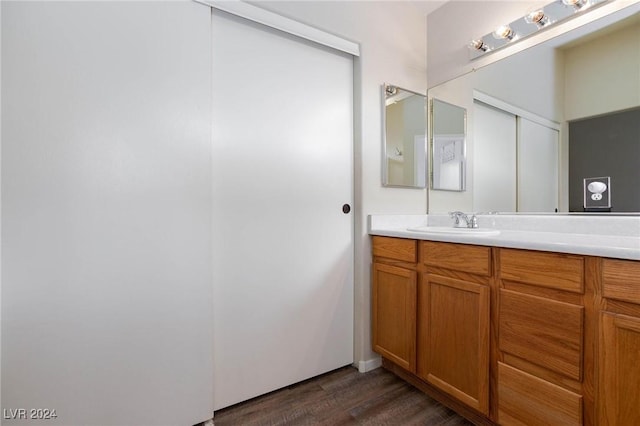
454 231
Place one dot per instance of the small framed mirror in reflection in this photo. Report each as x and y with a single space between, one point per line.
404 119
448 134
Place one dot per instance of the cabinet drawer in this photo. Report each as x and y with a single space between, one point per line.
459 257
621 280
395 248
544 332
524 399
550 270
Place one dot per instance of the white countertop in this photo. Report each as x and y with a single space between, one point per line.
615 237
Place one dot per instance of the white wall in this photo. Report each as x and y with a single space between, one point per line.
393 50
1 93
106 210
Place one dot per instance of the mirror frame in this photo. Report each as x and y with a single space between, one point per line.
385 167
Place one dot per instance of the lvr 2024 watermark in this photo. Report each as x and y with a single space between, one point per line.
29 414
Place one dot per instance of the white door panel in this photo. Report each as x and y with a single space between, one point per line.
106 212
537 167
494 164
283 248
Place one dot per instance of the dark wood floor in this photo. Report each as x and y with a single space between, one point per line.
342 397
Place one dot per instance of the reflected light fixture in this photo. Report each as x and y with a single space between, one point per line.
390 90
537 17
504 32
577 4
478 44
535 20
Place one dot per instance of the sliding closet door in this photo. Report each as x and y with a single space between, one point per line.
538 153
282 245
494 159
106 213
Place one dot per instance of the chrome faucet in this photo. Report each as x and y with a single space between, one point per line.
469 221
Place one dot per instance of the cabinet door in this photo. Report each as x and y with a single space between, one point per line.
619 370
394 314
453 340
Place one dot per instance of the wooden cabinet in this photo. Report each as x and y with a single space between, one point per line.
431 314
619 370
395 250
541 337
394 314
394 300
621 280
451 258
510 336
619 346
525 399
453 321
546 333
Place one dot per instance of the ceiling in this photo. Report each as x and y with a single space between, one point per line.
427 6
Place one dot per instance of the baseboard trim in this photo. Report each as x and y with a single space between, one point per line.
369 365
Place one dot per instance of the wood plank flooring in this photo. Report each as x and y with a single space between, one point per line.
342 397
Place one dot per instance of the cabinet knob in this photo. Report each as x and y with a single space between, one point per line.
346 208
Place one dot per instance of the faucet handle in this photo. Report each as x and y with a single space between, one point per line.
457 215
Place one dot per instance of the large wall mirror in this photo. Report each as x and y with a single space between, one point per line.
526 118
404 138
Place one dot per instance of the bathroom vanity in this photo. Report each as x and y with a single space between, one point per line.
523 327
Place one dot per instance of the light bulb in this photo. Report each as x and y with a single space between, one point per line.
537 17
504 32
478 44
391 90
577 4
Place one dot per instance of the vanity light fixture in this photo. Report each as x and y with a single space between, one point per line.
533 21
478 44
537 17
504 32
577 4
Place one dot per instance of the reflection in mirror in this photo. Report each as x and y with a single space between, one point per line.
404 143
448 123
516 159
589 73
607 147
